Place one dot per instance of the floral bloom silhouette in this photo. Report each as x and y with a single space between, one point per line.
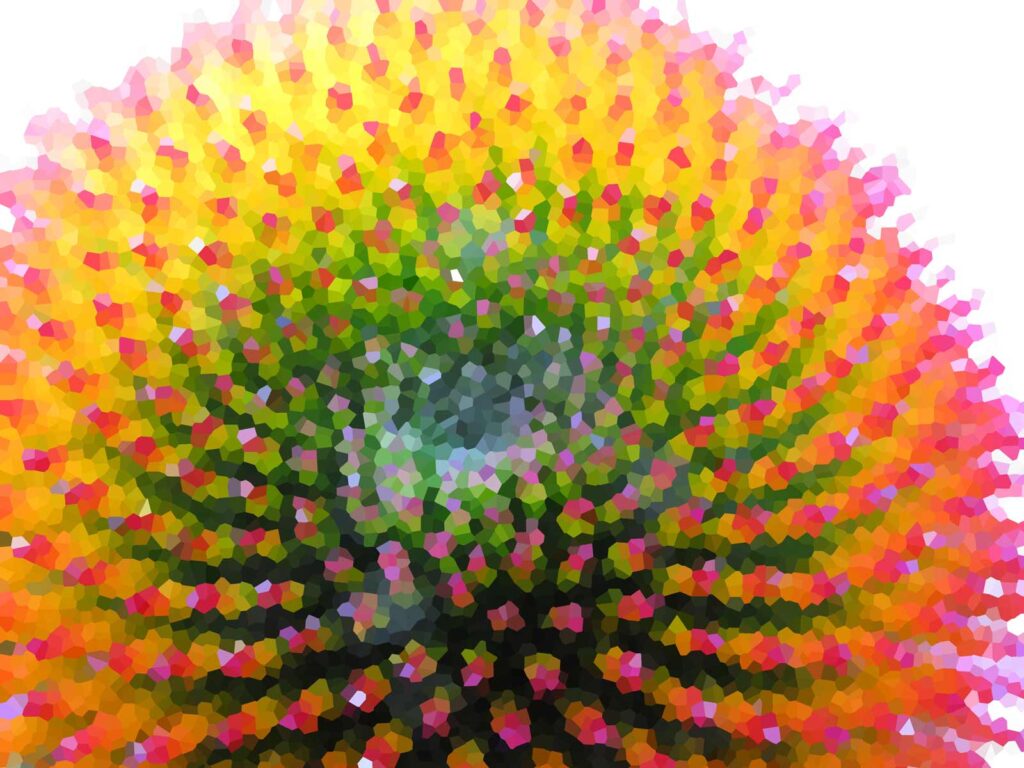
481 385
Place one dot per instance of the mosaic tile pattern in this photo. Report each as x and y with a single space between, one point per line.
454 384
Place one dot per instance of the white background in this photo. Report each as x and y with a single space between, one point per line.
936 83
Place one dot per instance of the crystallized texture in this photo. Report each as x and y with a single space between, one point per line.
486 385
